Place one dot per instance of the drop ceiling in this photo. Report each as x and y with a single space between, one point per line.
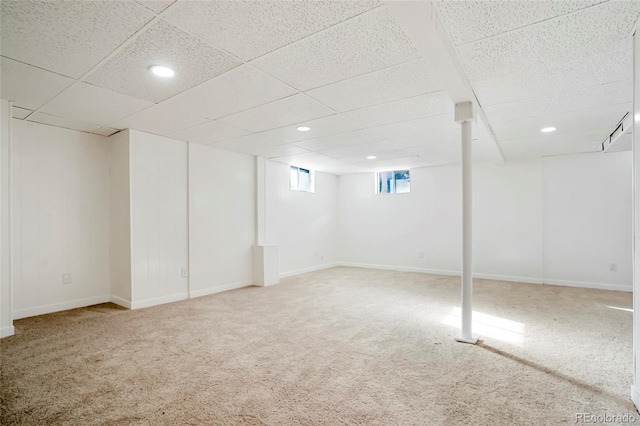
248 73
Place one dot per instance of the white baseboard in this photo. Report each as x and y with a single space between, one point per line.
147 303
510 278
121 302
220 288
7 331
598 286
57 307
309 269
443 272
635 397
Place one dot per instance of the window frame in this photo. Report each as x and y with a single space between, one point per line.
394 186
299 172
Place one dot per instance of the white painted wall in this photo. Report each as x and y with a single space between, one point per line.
120 219
221 219
588 219
6 320
421 230
534 221
60 218
159 241
303 225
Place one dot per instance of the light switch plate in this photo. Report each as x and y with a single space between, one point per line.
66 278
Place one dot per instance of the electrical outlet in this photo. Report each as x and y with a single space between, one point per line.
66 278
613 267
421 255
185 272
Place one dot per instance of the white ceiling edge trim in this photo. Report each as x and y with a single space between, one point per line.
421 24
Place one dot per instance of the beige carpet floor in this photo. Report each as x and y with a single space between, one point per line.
342 346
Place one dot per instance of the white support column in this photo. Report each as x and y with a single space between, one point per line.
265 257
635 387
464 115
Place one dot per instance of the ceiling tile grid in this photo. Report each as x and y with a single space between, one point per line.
20 113
67 123
592 31
340 140
403 110
29 87
325 126
162 119
428 139
595 120
390 84
594 70
469 21
562 102
366 43
362 150
193 61
105 131
421 126
156 6
93 104
283 112
237 90
67 37
208 133
249 29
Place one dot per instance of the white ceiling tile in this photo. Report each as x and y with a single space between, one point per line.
310 160
565 148
67 37
291 110
249 29
435 148
106 131
403 110
20 113
557 77
93 104
596 30
390 84
402 163
360 149
418 140
595 120
381 156
67 123
156 6
207 133
468 21
193 61
280 151
562 102
251 144
242 88
421 126
366 43
340 140
325 126
29 87
161 119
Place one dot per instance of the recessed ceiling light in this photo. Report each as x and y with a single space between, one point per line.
548 129
303 129
161 71
371 157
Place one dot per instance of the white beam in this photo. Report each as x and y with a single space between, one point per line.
421 24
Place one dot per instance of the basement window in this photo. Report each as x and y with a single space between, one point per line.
301 179
394 182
